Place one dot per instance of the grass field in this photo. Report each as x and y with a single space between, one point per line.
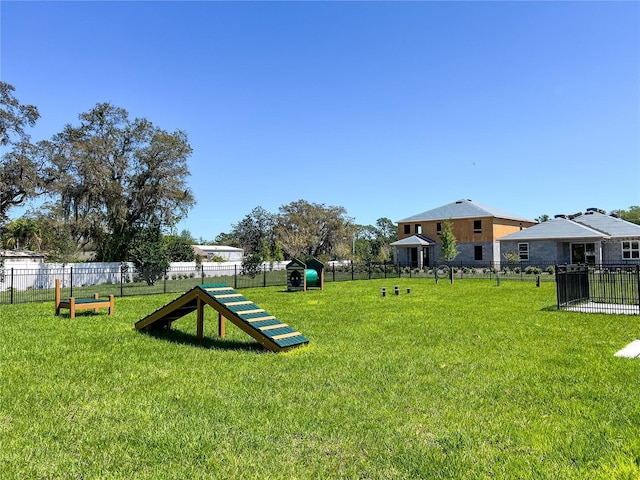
465 381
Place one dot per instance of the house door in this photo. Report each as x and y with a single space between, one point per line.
414 256
425 256
583 253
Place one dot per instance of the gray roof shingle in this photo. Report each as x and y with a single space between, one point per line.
556 229
464 208
612 226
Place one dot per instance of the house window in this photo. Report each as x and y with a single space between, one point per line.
523 251
418 228
631 249
477 251
477 226
407 229
439 228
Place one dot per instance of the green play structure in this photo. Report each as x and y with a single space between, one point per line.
301 276
231 305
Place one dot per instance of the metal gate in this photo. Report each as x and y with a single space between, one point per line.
572 284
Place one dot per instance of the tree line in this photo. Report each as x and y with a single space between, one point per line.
117 187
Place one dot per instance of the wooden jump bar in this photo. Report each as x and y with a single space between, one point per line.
74 304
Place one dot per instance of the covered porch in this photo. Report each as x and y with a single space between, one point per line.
416 251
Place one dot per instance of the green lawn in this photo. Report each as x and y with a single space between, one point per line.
465 381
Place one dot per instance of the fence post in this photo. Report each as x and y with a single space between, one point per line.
352 270
202 270
164 281
235 277
638 283
121 280
264 274
71 280
11 287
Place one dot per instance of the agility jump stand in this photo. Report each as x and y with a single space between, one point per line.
73 304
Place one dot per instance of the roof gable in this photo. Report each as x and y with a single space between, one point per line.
464 208
414 240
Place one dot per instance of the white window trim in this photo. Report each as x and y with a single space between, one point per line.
632 248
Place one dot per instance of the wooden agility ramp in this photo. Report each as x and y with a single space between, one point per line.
230 305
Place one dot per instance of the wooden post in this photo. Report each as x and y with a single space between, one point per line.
95 297
72 307
200 320
221 325
57 296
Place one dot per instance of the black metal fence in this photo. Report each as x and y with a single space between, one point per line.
37 285
603 288
34 285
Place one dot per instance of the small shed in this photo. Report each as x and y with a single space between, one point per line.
301 276
296 275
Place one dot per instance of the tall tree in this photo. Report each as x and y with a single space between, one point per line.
448 249
255 234
387 233
631 215
113 176
179 249
24 233
20 166
311 229
148 253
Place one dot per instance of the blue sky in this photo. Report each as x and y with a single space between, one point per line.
387 109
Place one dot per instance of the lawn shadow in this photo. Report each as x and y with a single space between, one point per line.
183 338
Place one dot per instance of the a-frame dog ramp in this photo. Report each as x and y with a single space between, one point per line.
231 305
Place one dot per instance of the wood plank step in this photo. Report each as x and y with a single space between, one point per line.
286 335
259 319
271 327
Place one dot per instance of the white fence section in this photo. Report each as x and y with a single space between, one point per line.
43 275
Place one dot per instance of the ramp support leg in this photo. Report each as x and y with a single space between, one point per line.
221 322
200 324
